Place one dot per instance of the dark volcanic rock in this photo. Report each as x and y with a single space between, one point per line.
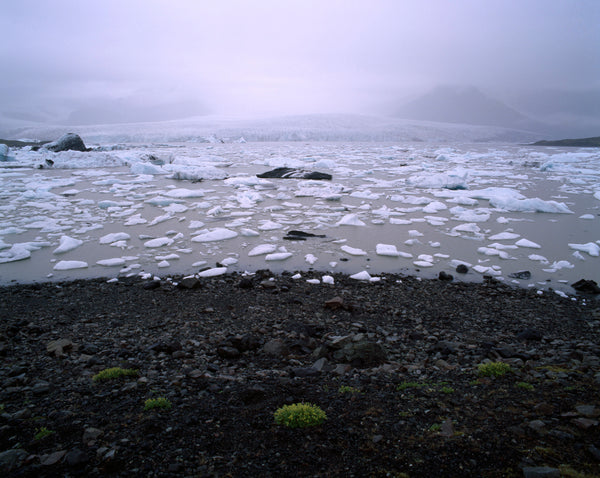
521 275
291 173
586 286
444 276
69 141
462 269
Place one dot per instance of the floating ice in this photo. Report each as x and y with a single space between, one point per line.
538 258
278 256
114 237
527 243
490 251
591 248
452 180
350 220
558 265
262 249
249 233
183 193
216 234
68 265
504 236
386 250
269 226
194 173
434 207
310 259
159 242
529 205
587 216
415 233
20 251
117 261
67 244
353 251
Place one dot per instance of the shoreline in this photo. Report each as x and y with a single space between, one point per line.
394 365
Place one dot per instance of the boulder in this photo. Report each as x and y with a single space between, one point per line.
586 286
291 173
66 142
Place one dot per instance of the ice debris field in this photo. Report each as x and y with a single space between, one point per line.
522 214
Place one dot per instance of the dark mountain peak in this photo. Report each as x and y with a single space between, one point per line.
461 104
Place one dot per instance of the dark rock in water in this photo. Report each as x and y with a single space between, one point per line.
300 235
586 286
151 285
291 173
444 276
462 269
521 275
529 334
69 141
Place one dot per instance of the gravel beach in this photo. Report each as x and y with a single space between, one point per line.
393 364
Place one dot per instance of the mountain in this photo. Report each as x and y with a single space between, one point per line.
579 142
468 105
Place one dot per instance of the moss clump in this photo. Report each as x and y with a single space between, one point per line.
42 433
115 372
493 369
405 385
348 389
161 403
525 386
300 415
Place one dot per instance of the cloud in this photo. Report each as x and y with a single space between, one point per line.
269 56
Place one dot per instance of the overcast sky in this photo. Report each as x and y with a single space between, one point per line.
284 56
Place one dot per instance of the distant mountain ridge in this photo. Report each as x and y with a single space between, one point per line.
467 105
579 142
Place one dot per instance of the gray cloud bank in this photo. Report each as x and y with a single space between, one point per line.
121 61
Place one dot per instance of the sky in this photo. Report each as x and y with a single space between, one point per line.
264 57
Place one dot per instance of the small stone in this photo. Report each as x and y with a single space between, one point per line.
342 368
11 459
151 285
585 423
377 438
76 457
540 472
537 425
462 269
246 283
189 283
305 372
228 352
337 303
275 347
52 458
530 334
268 284
587 410
90 435
447 429
58 347
320 364
40 387
595 452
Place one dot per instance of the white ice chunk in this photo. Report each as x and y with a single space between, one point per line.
20 251
434 207
67 244
414 233
423 264
538 258
350 220
328 279
353 251
159 242
529 205
249 233
504 236
183 193
269 226
591 248
114 262
262 249
313 281
278 256
68 265
527 243
310 259
196 225
216 234
215 271
386 250
587 216
135 220
364 275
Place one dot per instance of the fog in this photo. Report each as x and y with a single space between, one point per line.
82 61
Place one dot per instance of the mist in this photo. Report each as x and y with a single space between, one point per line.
114 61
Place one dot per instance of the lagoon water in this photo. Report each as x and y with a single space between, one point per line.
414 208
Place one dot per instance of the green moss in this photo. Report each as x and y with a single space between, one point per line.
160 403
348 389
406 385
115 372
299 415
525 386
447 390
436 427
493 369
42 433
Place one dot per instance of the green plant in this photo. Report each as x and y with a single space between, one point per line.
42 433
493 369
348 389
525 386
436 427
299 415
1 407
405 385
161 403
447 390
115 372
